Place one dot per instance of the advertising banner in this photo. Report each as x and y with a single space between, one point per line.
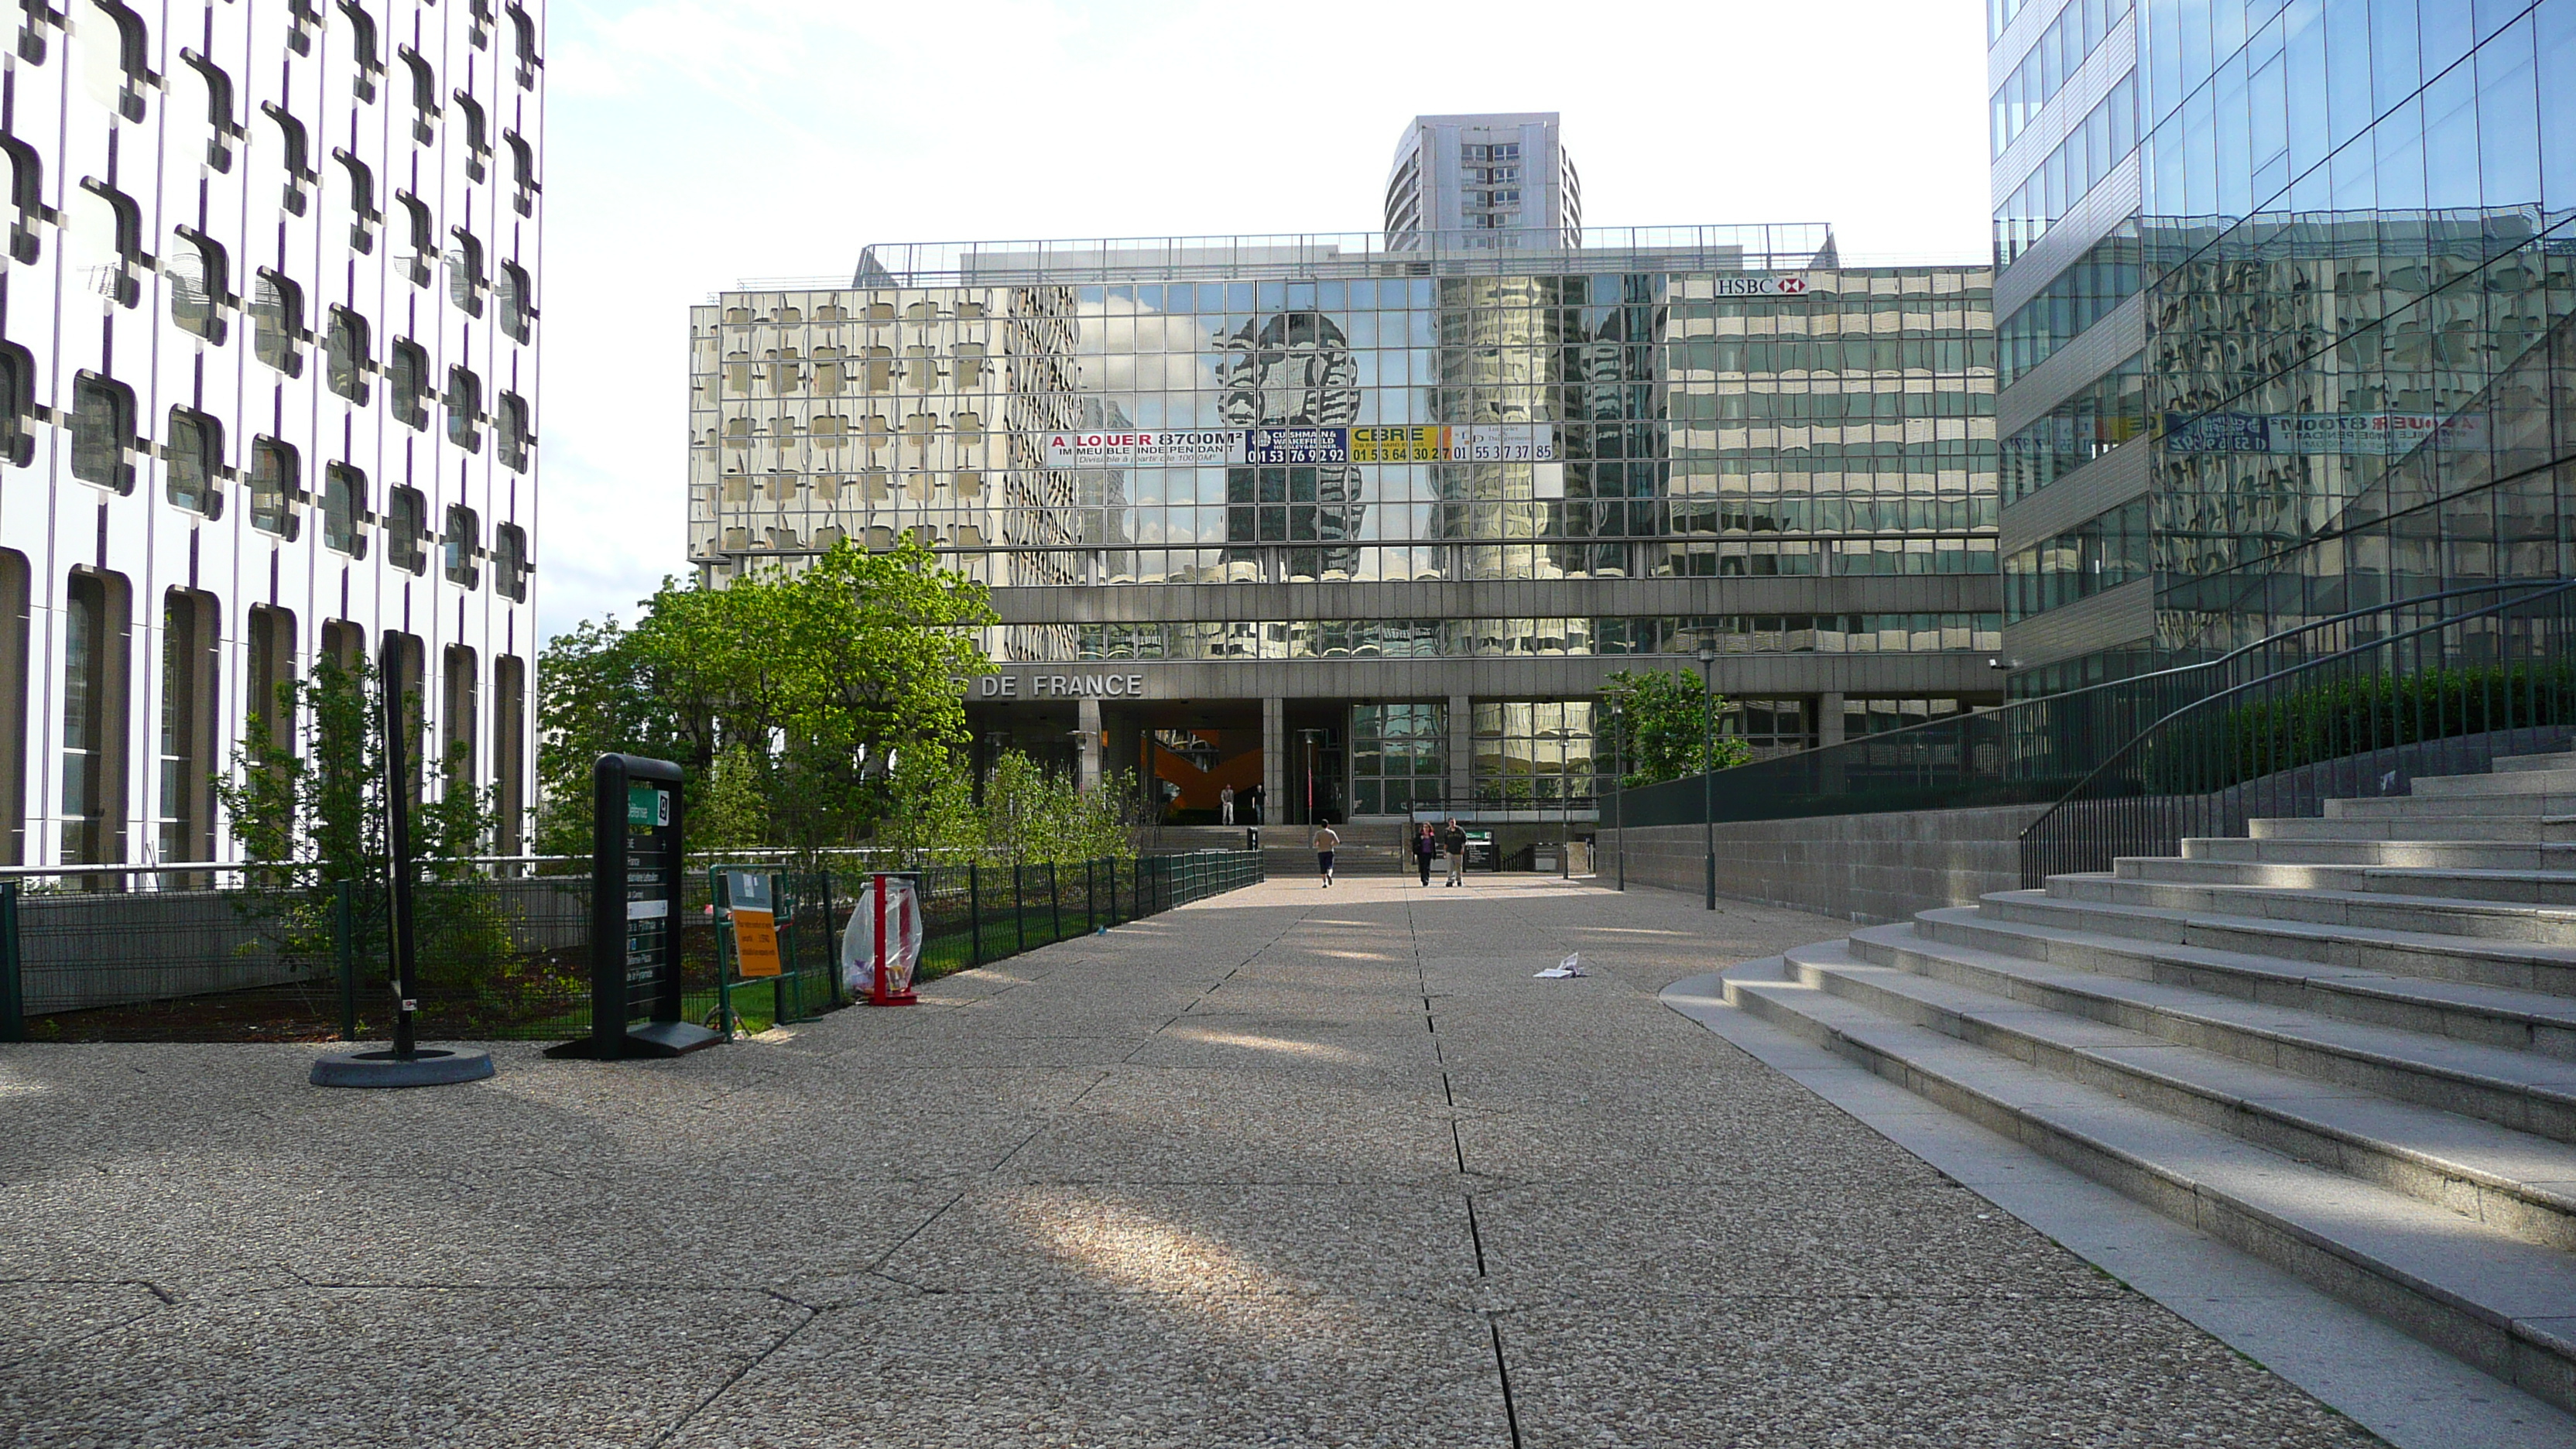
2317 434
1325 447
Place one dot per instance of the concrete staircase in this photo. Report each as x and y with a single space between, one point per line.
2345 1045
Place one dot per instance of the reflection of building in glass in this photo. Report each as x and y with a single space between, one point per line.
1353 516
1467 182
2278 320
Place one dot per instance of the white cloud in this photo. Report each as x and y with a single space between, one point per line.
694 143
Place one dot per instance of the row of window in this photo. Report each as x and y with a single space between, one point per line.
1467 638
2108 134
2085 426
2053 60
2096 555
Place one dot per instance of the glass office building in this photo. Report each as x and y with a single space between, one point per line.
2284 291
1366 527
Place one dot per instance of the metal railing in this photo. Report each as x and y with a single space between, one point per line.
2031 752
501 956
2445 697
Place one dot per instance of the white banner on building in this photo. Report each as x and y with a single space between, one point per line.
1329 447
1144 448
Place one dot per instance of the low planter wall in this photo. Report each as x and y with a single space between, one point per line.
1864 868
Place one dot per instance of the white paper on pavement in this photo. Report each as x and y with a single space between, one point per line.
1570 966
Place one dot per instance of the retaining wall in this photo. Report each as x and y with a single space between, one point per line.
1864 868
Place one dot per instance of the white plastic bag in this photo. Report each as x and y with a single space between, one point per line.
902 939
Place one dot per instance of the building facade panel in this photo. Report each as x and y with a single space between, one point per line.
268 335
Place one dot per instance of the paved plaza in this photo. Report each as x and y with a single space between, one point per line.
1290 1166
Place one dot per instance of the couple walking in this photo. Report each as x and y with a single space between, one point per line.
1450 841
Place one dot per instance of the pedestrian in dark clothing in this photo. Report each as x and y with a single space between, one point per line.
1454 841
1425 848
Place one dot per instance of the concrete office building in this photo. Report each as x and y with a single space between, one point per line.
1365 526
2284 294
1478 181
268 356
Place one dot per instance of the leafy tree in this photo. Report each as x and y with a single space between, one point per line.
1662 725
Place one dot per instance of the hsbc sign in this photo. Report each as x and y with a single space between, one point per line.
1773 286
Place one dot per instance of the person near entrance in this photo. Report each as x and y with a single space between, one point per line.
1225 803
1453 842
1425 846
1325 841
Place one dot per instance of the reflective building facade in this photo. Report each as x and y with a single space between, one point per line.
2284 291
268 379
1365 522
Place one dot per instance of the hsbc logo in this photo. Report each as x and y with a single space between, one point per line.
1775 286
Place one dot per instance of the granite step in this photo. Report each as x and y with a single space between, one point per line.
2556 778
2524 764
2505 1305
2411 807
2461 854
2487 826
2523 1090
2503 994
2532 887
2449 915
2511 1181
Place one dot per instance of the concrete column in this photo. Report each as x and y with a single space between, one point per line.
1462 752
1086 715
1274 761
1829 719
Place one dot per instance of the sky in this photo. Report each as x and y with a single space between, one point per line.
694 143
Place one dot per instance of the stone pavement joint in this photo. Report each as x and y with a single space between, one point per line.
1284 1166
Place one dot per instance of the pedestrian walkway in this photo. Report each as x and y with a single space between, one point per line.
1289 1166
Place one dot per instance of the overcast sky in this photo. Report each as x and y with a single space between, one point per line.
693 143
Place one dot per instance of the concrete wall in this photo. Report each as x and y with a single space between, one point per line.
1866 868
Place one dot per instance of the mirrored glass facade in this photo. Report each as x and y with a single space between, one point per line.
1290 478
2339 374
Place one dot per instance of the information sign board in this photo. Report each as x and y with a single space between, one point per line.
635 994
755 923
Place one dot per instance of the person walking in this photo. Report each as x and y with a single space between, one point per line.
1425 846
1325 841
1225 803
1453 840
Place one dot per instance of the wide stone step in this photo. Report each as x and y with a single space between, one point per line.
2504 994
2518 1089
2554 780
2411 807
2505 1305
2477 919
2512 1181
2495 826
2458 854
2523 764
2527 887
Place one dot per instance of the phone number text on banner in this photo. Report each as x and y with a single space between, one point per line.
1422 443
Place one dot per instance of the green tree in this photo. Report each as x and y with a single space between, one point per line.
1662 725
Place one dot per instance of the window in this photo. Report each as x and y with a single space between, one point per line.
126 225
93 727
423 239
478 135
102 430
268 662
518 306
407 530
362 43
17 404
274 486
464 543
133 57
509 752
523 38
363 215
464 408
523 173
461 706
344 510
27 195
219 109
510 562
15 581
511 435
348 355
407 374
465 272
193 462
424 96
200 284
185 810
297 156
277 322
1399 757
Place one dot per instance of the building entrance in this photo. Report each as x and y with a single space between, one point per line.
1186 769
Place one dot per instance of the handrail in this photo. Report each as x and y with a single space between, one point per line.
2283 681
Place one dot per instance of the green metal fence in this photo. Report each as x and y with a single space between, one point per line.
135 954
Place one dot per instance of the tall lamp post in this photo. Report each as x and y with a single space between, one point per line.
1707 753
1619 786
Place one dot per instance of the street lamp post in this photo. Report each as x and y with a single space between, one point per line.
1707 753
1619 787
